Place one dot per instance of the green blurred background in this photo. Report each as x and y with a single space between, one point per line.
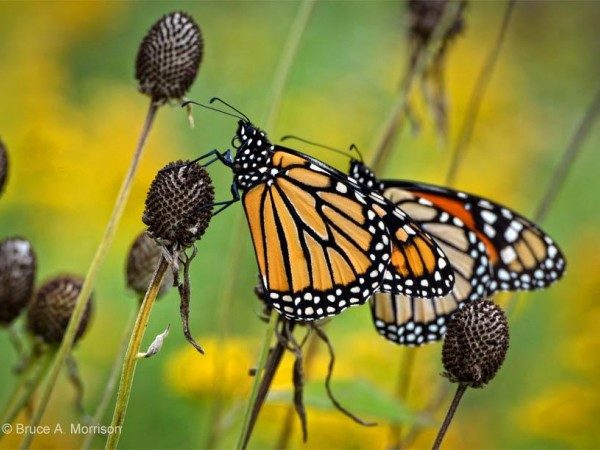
70 115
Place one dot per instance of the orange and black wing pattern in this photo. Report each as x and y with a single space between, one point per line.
521 255
320 245
415 320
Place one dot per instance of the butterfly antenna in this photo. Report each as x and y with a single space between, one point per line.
217 99
316 144
191 102
360 156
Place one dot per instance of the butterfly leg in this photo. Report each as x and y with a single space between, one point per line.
235 197
225 158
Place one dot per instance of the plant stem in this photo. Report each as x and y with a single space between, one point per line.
568 158
133 348
570 154
15 340
111 382
280 78
288 423
245 435
90 278
404 378
285 61
29 380
433 406
384 141
485 75
460 390
271 366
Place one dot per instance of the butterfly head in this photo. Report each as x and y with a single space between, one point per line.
363 175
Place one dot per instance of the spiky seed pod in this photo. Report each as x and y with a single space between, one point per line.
3 166
142 260
17 277
424 16
49 313
176 206
476 343
169 57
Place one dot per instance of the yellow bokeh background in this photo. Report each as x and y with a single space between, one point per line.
70 116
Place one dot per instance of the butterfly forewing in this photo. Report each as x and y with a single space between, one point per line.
319 244
521 255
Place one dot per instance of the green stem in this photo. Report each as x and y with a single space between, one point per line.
483 81
15 340
460 390
25 372
111 382
90 278
561 172
383 144
285 61
405 372
279 81
243 439
133 348
569 156
29 381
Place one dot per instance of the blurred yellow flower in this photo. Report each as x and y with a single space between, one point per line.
567 413
223 368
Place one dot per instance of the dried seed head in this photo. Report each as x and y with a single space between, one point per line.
142 260
176 206
476 343
17 277
169 57
425 15
50 311
3 166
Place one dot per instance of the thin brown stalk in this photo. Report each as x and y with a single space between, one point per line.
391 126
460 390
275 356
258 377
90 278
288 423
483 80
130 362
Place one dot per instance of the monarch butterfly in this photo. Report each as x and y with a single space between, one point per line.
322 242
490 247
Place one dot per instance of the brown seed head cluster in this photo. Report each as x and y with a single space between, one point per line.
425 15
142 260
49 314
476 343
176 206
3 166
169 57
17 277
